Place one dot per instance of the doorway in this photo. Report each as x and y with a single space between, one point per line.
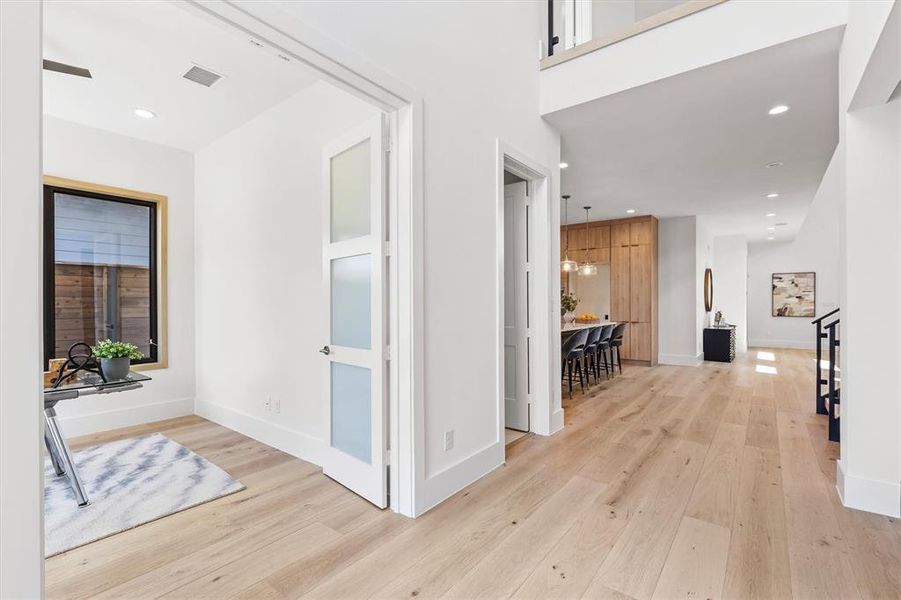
517 338
526 218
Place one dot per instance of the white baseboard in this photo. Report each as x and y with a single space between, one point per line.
441 486
127 416
870 495
295 443
681 360
556 421
793 344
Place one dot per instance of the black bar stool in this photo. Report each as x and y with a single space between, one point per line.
616 342
590 354
573 351
603 347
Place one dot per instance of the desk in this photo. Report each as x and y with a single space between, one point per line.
57 446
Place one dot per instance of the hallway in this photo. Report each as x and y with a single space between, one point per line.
666 482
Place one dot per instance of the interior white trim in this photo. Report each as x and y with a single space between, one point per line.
295 443
682 360
347 70
21 314
106 420
870 495
451 480
557 420
545 231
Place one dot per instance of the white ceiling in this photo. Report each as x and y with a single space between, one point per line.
137 53
697 143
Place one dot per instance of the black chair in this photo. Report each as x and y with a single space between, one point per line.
590 354
603 347
573 351
616 342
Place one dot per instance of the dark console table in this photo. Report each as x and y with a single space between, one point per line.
719 343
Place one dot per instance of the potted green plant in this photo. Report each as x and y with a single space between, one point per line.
115 357
568 304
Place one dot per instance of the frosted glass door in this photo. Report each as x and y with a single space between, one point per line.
353 274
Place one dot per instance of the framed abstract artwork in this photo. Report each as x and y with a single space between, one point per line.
794 294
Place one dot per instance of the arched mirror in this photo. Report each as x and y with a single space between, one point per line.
708 290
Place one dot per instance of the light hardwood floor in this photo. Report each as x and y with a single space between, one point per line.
667 482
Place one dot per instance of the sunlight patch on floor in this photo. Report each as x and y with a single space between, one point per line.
766 369
769 356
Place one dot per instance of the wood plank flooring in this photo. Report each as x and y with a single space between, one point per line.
667 482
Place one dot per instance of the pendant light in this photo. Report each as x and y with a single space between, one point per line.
588 267
567 265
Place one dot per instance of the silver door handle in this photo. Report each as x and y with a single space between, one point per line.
325 350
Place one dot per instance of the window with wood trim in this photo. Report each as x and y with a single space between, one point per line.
100 269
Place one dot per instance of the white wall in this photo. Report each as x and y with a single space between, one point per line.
725 31
260 299
869 471
608 16
816 248
75 151
21 456
730 284
472 95
678 291
703 261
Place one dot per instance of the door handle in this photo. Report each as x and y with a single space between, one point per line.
325 350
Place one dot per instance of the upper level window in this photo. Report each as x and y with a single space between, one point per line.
101 264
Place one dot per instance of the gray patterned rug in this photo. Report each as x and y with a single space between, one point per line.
129 482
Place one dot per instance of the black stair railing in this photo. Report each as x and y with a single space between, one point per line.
833 398
820 381
552 40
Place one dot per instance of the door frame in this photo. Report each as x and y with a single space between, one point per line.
403 106
545 410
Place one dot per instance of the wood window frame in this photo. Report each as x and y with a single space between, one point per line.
161 262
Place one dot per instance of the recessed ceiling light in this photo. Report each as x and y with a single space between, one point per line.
144 113
563 165
771 229
779 109
771 214
630 211
771 238
773 195
775 164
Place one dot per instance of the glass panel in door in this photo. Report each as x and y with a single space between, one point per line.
353 272
350 193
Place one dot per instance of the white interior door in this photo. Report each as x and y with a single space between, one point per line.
516 306
353 273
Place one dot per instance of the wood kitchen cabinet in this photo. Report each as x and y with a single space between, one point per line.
630 246
640 283
620 290
599 237
578 238
620 234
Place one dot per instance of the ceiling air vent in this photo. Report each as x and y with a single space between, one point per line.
204 77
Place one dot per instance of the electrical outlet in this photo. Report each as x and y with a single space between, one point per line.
448 440
268 403
277 405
